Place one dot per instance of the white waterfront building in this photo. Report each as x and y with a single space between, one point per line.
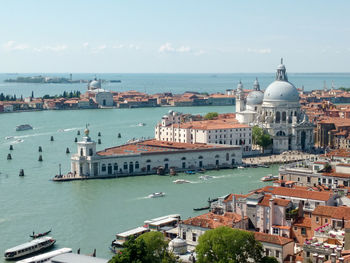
278 111
224 130
102 97
146 157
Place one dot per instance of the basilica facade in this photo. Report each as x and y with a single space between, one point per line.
277 110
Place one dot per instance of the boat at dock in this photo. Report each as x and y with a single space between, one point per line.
201 208
36 245
46 256
269 178
23 127
40 234
154 195
190 172
181 181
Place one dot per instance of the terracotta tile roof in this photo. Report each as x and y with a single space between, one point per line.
282 227
219 124
303 222
281 202
273 239
339 212
265 201
296 192
155 146
230 197
211 220
339 175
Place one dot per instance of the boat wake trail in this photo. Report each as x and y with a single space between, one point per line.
70 129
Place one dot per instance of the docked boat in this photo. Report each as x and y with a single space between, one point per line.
46 256
36 245
181 181
205 177
190 172
40 234
269 177
121 238
23 127
160 194
201 208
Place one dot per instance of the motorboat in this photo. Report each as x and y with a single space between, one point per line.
205 177
141 124
28 248
181 181
269 177
240 167
8 137
160 194
23 127
201 208
40 234
46 256
190 172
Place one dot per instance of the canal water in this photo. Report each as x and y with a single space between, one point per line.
88 214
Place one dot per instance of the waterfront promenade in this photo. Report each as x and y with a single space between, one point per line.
287 157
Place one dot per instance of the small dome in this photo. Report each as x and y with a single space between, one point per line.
178 246
178 242
255 97
95 84
281 91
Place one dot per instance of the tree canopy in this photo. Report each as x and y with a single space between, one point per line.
211 115
227 245
147 248
261 137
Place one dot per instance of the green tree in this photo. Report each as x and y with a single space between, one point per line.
261 137
269 260
211 115
147 248
227 245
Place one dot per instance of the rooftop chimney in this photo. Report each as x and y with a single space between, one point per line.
333 258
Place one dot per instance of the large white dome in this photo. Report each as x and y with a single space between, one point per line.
95 84
281 91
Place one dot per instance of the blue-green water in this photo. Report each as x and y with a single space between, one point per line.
87 214
176 83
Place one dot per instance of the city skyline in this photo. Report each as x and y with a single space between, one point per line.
168 37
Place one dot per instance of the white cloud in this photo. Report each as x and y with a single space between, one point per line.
13 45
86 44
168 48
56 48
118 46
259 51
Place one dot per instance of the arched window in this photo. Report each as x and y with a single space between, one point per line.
125 165
90 152
115 167
284 116
200 157
280 133
183 158
278 117
137 165
103 167
166 160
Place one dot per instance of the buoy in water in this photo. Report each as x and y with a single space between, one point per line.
99 134
40 149
21 172
119 135
9 157
78 133
99 141
67 150
76 139
40 158
51 139
11 147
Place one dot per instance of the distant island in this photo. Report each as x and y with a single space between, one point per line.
52 80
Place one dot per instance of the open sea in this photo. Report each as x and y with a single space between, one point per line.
88 214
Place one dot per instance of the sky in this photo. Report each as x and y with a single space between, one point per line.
179 36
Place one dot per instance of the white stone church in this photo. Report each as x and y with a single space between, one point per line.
277 110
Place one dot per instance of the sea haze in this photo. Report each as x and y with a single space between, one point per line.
175 83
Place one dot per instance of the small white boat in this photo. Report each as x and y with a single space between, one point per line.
46 256
240 167
8 137
23 127
181 181
28 248
269 177
160 194
19 140
141 124
205 177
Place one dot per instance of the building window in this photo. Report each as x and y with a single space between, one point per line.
295 228
184 235
303 231
103 168
275 231
125 165
115 167
317 219
183 165
137 165
194 237
308 179
326 220
277 253
90 152
267 252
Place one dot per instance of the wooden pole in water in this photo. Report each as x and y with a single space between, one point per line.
11 147
99 134
99 141
40 158
78 133
67 150
9 157
76 139
51 139
21 172
40 149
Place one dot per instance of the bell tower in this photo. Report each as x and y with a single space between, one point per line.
240 102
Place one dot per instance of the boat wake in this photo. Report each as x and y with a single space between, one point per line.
69 129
